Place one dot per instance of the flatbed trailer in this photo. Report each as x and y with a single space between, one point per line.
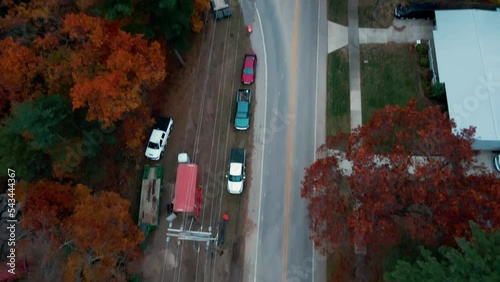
149 208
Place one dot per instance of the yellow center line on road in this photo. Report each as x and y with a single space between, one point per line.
289 164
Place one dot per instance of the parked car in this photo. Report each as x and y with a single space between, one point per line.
249 68
242 116
496 160
416 11
236 175
158 139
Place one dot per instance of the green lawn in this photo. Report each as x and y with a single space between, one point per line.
390 77
338 100
337 11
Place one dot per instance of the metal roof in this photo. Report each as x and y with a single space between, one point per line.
185 188
468 58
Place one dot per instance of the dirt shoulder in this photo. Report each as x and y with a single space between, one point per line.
200 97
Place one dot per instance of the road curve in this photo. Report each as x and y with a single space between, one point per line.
290 40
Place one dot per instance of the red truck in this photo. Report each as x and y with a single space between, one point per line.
187 197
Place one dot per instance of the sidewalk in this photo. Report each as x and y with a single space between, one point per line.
401 31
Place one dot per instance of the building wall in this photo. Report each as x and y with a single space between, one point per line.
432 61
486 145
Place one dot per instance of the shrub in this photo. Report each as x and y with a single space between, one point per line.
424 62
422 49
427 88
438 91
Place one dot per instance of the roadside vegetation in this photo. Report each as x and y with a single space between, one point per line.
338 96
75 80
390 75
337 11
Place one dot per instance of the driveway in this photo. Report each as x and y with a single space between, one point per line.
290 38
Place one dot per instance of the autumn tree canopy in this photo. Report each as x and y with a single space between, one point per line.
110 67
103 71
96 231
172 19
19 66
471 260
49 204
105 237
404 170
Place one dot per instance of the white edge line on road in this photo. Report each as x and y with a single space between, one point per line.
263 143
316 120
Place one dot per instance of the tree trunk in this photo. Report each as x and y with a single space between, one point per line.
179 58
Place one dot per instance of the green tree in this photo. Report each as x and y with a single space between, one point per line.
474 260
41 122
153 18
44 132
16 154
439 92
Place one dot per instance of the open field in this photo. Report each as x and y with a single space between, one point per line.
338 97
389 76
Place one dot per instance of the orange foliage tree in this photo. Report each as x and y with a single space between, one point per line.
19 65
403 170
132 129
97 229
104 237
110 67
197 20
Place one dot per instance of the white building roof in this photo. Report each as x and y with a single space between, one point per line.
467 44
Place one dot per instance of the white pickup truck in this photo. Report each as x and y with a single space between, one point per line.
158 139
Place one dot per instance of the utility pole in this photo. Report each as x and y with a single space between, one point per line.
188 235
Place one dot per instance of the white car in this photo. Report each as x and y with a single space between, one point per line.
158 139
236 176
497 162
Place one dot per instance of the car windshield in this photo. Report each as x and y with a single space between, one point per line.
235 178
153 145
247 71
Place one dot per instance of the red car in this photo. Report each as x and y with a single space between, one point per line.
249 68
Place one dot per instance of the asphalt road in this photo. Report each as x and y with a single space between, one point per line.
290 39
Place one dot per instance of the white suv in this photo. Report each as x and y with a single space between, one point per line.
158 139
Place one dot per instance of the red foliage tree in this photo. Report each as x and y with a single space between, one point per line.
403 170
49 203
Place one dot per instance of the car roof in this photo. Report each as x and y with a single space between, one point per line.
249 62
155 135
242 107
235 168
